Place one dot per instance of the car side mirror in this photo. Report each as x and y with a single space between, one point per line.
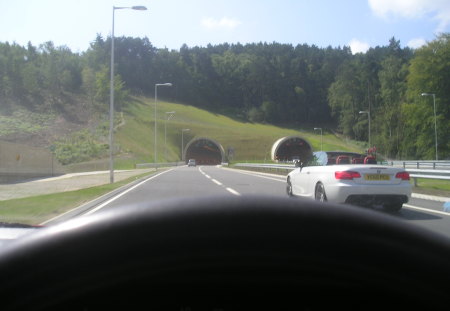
298 164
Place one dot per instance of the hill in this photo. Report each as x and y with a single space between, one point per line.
87 135
250 141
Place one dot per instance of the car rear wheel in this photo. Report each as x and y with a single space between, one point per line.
320 194
289 188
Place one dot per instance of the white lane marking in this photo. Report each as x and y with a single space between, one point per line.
426 209
219 183
233 191
216 182
123 193
430 197
61 215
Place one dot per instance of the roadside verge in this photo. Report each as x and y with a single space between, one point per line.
99 202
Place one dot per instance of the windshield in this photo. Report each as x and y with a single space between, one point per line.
109 103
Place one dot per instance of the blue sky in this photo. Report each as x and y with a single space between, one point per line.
359 24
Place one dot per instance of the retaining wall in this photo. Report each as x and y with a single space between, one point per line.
19 162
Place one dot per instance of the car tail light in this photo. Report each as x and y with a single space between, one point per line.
402 175
346 175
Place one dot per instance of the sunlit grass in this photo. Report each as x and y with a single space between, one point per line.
37 209
433 184
250 141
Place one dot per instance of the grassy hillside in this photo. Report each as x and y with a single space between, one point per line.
82 131
251 141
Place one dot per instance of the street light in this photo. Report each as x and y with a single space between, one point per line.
321 137
368 116
169 116
182 142
435 127
156 98
111 92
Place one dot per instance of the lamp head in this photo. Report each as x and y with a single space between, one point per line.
139 8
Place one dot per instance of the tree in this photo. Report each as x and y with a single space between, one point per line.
102 94
347 96
88 78
429 72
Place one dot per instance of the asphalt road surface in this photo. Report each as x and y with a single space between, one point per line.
186 182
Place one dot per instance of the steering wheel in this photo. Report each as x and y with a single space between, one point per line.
221 253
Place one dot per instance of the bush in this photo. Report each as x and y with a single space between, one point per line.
81 146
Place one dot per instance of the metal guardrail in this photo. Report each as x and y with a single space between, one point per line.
414 173
428 174
422 164
267 165
156 165
285 168
439 174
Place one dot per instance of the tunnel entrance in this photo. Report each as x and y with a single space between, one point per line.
205 152
291 148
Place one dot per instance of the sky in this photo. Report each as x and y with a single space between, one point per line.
360 24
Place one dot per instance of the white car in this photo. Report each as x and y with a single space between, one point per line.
356 184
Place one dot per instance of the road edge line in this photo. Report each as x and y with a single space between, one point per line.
101 198
426 209
122 193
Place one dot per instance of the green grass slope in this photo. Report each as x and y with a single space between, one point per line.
250 141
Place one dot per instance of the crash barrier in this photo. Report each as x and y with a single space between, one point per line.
422 164
413 173
156 165
277 168
429 174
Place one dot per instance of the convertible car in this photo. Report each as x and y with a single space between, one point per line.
350 178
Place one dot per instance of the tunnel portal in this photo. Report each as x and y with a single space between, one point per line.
205 152
291 148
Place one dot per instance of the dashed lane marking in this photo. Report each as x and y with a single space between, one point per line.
216 182
231 190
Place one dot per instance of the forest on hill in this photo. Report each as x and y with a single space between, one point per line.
281 84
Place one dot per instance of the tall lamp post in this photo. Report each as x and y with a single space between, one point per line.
156 98
182 142
435 127
368 116
111 92
321 137
169 115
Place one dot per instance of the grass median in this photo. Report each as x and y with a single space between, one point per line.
37 209
432 187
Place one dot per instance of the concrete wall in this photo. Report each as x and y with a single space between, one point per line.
19 162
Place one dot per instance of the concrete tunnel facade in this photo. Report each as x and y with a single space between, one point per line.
291 148
205 151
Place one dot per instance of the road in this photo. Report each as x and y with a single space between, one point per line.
186 182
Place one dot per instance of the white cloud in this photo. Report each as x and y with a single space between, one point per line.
413 9
444 19
358 46
416 43
223 23
404 8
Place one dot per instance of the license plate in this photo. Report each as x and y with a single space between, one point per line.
376 177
